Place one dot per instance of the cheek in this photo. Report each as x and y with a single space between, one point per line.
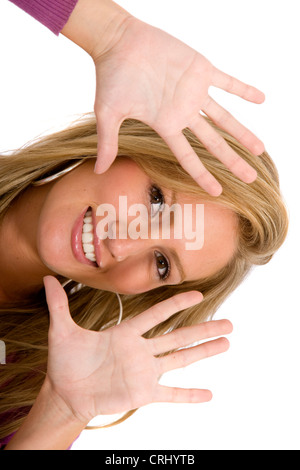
53 240
128 279
124 177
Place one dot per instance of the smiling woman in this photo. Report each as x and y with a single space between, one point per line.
51 226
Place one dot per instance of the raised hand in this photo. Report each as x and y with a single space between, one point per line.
149 75
117 370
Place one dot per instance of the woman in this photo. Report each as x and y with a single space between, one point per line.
248 222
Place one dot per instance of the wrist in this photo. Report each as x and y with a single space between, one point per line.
95 25
50 424
57 408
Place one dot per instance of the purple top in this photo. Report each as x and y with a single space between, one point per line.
5 441
53 14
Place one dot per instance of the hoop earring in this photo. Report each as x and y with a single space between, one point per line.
79 286
57 175
121 309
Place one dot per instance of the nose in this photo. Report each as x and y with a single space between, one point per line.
122 239
121 249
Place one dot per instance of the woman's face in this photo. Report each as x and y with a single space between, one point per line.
72 233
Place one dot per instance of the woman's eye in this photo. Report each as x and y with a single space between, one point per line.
163 265
157 200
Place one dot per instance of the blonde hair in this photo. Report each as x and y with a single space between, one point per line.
262 222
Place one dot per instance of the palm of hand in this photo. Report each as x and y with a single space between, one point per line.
116 363
117 369
150 76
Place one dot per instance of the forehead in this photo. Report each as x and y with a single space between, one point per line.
219 226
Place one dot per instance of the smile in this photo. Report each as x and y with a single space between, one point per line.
88 237
84 240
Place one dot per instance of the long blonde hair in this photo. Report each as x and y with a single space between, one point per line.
259 207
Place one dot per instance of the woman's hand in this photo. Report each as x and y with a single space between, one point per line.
153 77
146 74
117 369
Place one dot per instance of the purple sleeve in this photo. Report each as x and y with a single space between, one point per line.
5 441
53 14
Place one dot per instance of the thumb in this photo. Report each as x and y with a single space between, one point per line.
108 131
61 321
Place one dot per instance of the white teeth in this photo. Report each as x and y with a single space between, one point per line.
88 237
88 248
87 227
90 256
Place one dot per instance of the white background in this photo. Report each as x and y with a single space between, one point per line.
46 80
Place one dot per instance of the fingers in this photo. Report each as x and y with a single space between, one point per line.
217 146
236 87
163 310
187 356
188 335
191 163
108 130
60 319
182 395
226 121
